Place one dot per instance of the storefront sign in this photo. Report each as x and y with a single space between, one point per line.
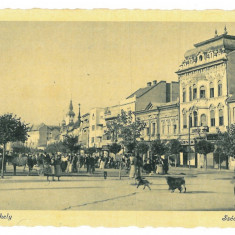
186 142
201 129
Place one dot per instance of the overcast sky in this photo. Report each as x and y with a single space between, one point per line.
44 64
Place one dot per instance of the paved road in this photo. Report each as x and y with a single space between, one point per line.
206 190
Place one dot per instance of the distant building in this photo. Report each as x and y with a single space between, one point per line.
42 135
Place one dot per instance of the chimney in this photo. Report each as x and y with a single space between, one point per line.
155 82
149 84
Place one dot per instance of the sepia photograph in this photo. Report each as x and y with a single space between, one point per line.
117 116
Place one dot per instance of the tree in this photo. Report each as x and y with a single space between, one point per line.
56 147
12 129
71 143
142 148
175 148
127 128
158 148
115 148
220 156
204 147
90 150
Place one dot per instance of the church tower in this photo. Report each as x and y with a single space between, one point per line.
79 116
70 114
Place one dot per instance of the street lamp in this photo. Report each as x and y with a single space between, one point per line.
189 128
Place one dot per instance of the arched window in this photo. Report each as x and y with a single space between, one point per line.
184 95
200 57
194 91
202 92
221 117
212 94
212 114
184 120
203 120
219 88
195 118
190 93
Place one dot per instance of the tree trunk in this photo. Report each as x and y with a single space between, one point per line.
3 160
219 163
120 169
205 160
14 166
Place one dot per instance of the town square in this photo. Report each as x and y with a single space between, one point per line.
117 116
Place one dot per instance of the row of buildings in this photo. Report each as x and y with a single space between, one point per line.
197 105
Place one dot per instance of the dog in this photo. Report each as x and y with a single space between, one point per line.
142 181
176 183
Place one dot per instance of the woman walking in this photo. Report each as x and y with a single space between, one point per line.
133 166
57 166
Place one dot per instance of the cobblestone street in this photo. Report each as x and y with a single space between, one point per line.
206 190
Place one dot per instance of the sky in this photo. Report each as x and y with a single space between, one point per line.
45 64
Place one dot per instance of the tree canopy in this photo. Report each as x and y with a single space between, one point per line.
142 147
204 147
115 148
12 129
158 147
71 143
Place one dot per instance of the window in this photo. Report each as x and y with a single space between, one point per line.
174 129
190 93
200 58
219 88
202 92
212 113
147 130
194 92
184 95
168 128
221 117
195 118
163 128
212 95
184 120
93 127
203 120
92 139
93 116
153 129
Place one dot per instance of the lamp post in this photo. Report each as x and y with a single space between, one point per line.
189 127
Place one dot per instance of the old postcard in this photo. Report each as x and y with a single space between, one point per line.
117 118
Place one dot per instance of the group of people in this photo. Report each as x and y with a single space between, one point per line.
54 164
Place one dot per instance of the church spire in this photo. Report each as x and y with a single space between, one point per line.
79 115
71 106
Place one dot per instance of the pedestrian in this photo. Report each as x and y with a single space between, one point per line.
88 163
47 166
133 166
57 165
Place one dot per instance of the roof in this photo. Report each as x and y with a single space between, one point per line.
222 41
142 91
154 105
36 127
